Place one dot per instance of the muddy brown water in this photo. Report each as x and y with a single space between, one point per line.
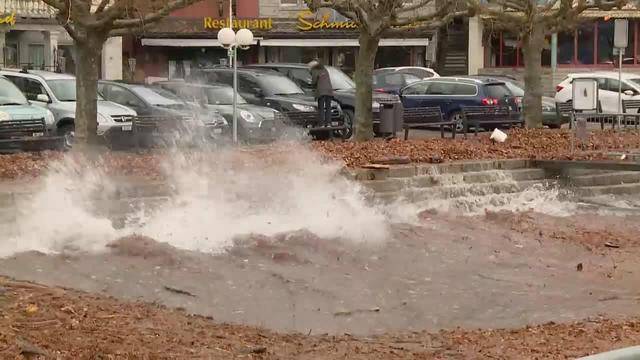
441 273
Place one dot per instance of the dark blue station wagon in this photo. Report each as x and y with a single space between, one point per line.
452 93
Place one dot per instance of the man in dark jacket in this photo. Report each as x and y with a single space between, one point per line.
324 90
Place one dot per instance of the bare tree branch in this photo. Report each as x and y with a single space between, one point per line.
152 17
103 4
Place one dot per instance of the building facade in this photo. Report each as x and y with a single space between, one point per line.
587 48
284 31
30 37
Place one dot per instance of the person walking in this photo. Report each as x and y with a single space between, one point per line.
324 90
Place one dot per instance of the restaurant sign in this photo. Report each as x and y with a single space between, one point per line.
307 21
251 24
9 19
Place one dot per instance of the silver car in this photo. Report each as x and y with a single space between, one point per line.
57 92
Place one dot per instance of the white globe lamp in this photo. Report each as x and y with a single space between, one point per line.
226 36
244 37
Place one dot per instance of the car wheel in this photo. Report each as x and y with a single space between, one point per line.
66 129
457 118
349 118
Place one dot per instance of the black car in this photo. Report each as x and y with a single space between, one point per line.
255 122
344 88
150 101
268 88
451 94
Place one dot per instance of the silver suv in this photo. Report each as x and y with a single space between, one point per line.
57 92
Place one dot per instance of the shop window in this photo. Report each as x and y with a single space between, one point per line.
11 55
300 54
605 42
566 48
509 50
586 37
390 56
36 56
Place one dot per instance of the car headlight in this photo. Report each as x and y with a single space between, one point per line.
301 107
102 118
4 116
247 116
375 105
49 119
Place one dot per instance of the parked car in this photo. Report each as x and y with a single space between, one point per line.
153 101
15 106
417 71
255 122
269 88
549 115
452 93
57 92
344 88
392 82
607 89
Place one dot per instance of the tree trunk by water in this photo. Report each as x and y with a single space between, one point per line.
86 121
533 43
364 84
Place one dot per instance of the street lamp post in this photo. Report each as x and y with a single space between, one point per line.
234 41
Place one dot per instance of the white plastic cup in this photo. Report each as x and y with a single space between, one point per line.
498 136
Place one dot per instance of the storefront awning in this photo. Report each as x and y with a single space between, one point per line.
184 42
341 42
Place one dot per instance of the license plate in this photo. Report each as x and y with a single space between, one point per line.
38 134
126 127
217 131
335 123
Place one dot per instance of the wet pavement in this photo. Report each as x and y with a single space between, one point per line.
442 273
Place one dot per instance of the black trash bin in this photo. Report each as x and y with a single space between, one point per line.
387 118
398 111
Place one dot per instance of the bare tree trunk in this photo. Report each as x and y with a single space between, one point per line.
364 85
86 122
532 51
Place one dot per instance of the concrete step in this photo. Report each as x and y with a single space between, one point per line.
458 191
624 189
604 179
10 197
460 178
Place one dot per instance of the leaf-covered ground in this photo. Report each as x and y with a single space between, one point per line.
56 323
534 144
530 144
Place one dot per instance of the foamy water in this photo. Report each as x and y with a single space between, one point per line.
214 202
218 198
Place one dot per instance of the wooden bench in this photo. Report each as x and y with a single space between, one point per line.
426 117
310 122
489 115
629 105
565 109
29 135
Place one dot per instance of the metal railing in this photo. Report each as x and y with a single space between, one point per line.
27 8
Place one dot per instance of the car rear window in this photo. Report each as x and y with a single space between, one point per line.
497 91
465 89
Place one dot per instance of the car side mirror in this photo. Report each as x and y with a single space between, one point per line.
629 92
43 98
258 92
